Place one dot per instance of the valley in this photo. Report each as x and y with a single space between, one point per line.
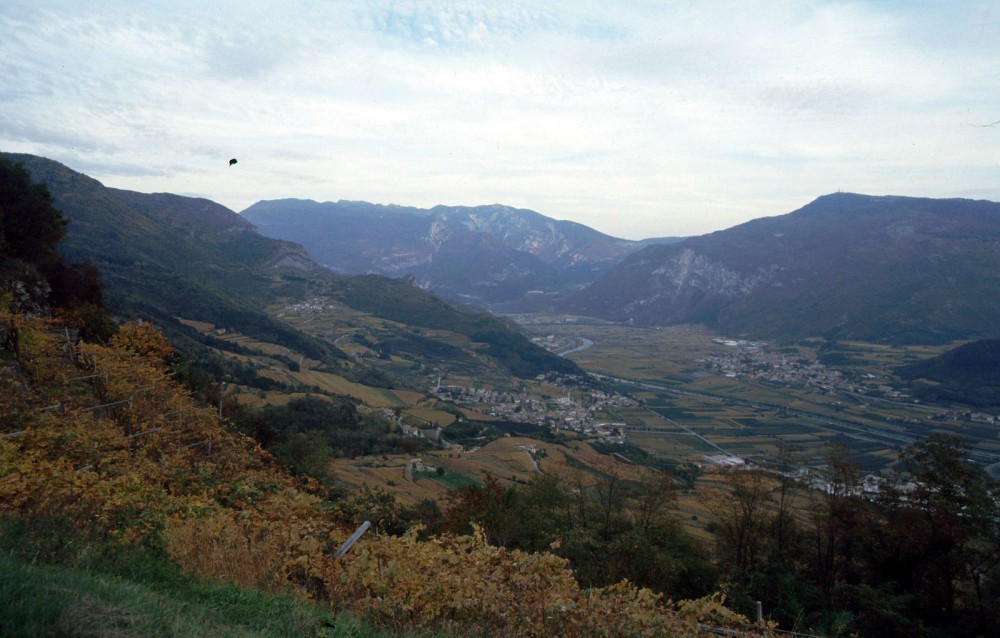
671 397
715 431
752 399
680 397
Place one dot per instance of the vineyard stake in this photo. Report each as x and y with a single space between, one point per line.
353 539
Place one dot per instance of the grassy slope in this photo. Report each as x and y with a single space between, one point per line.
52 600
57 600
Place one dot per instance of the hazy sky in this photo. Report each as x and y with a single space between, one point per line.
639 119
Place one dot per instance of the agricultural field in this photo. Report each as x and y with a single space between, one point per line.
510 459
418 359
751 400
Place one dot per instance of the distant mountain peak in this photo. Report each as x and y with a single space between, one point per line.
890 268
490 254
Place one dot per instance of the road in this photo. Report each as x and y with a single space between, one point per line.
861 431
584 344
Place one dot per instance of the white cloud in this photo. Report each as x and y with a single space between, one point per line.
640 119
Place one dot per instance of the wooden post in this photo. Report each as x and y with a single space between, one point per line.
760 615
353 539
69 346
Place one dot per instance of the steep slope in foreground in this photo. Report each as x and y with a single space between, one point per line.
163 473
893 269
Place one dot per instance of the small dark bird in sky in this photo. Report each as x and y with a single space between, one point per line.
232 161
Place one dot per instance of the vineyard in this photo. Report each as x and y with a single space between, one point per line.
104 441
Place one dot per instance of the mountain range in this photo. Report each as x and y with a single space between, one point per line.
167 257
496 256
846 266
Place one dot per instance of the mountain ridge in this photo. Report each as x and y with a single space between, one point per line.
167 256
889 268
492 254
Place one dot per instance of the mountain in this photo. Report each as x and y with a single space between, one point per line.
168 257
967 374
152 266
846 266
486 254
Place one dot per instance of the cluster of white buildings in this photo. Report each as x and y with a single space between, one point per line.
754 360
565 411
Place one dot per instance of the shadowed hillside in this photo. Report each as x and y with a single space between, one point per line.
893 269
968 374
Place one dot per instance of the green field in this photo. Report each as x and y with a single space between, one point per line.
451 480
755 417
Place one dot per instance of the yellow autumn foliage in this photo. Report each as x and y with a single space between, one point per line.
102 437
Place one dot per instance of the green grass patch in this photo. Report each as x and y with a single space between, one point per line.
55 584
453 480
54 600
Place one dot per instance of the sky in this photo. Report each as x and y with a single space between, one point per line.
639 119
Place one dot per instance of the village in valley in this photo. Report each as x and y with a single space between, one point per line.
571 402
579 408
755 360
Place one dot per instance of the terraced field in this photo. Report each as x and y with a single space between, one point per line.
510 459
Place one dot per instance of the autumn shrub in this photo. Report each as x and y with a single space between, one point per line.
101 438
464 585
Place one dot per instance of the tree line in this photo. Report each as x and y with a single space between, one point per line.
34 277
916 553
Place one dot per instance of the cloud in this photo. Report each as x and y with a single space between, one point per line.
639 118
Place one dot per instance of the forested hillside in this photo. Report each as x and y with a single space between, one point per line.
168 257
845 266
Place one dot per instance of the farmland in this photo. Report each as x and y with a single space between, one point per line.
692 395
752 399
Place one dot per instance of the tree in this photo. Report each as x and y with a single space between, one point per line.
954 515
657 492
32 269
491 506
840 520
30 226
742 516
609 492
142 338
545 503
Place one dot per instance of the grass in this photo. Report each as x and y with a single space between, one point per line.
52 600
453 480
51 585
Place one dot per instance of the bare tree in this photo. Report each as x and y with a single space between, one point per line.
742 513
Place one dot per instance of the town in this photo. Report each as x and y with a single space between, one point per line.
579 409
